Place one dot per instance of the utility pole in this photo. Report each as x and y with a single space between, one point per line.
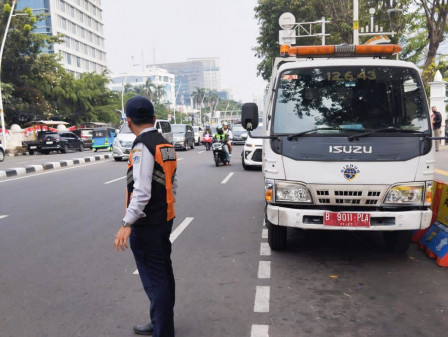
2 117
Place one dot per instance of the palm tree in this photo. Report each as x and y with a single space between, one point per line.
159 92
198 96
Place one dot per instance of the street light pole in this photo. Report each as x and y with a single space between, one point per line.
1 56
122 87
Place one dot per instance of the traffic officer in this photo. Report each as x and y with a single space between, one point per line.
151 188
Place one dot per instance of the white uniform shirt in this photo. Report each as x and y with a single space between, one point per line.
143 168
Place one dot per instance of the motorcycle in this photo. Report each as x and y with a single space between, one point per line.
218 153
207 140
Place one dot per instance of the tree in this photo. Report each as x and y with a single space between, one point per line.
198 96
339 12
436 12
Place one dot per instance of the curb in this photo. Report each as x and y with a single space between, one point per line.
51 165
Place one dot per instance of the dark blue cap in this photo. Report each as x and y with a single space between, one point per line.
139 107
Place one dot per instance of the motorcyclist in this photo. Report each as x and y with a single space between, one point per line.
229 134
207 130
221 136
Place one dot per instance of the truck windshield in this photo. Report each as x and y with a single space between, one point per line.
346 100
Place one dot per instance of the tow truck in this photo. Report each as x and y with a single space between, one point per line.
347 143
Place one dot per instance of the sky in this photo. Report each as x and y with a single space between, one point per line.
167 31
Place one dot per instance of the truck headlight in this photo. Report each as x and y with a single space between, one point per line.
405 194
286 191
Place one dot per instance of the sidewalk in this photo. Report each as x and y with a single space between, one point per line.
51 165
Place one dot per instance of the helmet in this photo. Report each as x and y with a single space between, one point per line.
224 124
219 129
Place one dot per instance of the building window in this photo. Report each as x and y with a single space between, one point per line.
69 58
62 6
81 16
78 62
63 24
77 45
67 42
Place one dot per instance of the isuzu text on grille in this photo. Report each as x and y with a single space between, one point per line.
350 149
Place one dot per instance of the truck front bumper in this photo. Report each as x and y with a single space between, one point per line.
380 221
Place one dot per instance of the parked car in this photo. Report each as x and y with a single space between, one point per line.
2 153
183 136
48 141
251 156
238 131
197 135
73 142
85 135
125 138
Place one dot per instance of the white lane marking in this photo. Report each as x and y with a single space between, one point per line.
262 294
264 269
112 181
3 216
201 152
264 233
178 231
53 171
259 331
265 250
226 179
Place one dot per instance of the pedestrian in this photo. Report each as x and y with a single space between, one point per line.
436 119
151 189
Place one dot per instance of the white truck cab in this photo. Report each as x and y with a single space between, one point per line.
347 143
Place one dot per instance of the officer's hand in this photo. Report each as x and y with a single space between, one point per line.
121 239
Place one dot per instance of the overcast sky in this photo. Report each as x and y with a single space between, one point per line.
174 30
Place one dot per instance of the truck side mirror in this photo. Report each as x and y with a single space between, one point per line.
249 116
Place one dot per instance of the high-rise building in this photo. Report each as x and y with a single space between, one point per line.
80 21
195 73
212 72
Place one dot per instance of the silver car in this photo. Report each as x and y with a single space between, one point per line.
125 138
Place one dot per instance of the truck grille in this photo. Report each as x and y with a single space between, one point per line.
348 195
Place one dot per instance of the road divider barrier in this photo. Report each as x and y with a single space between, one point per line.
434 240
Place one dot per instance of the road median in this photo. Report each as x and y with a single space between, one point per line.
18 171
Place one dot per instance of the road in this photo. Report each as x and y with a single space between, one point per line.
59 273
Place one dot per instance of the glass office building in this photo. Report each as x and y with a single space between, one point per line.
80 21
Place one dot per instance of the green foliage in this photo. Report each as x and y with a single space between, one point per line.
339 12
36 86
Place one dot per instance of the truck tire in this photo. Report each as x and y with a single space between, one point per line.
397 241
277 236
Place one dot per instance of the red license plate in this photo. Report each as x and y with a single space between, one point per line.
343 219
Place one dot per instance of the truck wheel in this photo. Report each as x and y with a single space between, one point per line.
277 236
397 241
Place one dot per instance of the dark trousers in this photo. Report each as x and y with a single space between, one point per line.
152 252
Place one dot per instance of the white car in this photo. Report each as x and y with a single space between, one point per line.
2 153
125 138
252 151
197 135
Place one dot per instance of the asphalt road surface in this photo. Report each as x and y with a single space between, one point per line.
60 275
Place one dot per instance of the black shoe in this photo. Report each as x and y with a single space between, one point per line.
146 329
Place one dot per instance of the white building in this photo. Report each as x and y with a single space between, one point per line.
136 78
80 21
